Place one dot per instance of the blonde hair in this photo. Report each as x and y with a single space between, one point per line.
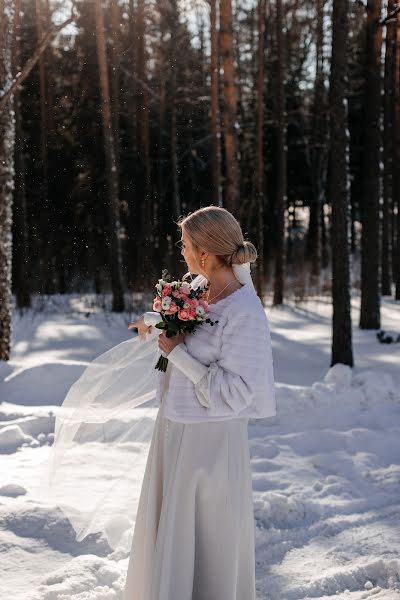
215 230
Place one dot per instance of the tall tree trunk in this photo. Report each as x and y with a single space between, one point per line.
370 238
342 351
280 255
111 167
242 149
161 142
133 81
261 16
47 277
386 258
396 144
50 74
133 263
174 29
55 276
115 75
20 232
318 153
7 137
230 106
142 116
215 116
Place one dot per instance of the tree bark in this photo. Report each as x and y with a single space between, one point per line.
386 258
215 116
143 148
20 235
396 155
318 153
133 215
230 107
281 183
161 191
7 138
371 238
342 351
174 45
47 254
115 75
111 167
261 16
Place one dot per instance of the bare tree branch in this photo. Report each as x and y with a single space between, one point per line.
23 74
390 16
142 83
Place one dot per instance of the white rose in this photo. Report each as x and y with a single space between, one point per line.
200 312
165 302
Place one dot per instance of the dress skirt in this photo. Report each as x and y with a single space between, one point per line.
194 532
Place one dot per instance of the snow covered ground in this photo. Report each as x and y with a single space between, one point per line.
326 470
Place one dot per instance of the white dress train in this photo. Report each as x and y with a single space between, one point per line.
194 532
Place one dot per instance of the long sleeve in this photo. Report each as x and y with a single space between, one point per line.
151 318
244 369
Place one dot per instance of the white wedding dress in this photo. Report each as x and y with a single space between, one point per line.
193 535
194 531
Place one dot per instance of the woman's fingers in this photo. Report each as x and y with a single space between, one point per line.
141 327
136 324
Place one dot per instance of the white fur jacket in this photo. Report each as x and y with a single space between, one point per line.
223 371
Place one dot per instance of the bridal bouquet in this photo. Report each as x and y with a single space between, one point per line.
181 309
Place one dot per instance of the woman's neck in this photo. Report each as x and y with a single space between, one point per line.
222 284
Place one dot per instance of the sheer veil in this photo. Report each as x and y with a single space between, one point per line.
105 425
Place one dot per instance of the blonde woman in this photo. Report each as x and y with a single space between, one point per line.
194 529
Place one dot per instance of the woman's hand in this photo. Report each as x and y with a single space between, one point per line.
168 344
141 326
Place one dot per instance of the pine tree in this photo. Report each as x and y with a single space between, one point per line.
111 166
7 138
281 196
230 107
370 213
338 189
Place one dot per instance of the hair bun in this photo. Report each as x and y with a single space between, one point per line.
244 253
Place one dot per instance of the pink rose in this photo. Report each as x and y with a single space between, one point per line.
172 308
157 306
204 304
192 315
184 314
193 302
166 291
185 288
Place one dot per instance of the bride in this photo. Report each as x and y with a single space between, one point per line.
179 437
194 531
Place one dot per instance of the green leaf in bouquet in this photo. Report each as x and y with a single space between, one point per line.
170 333
174 326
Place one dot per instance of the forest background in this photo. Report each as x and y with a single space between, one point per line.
117 117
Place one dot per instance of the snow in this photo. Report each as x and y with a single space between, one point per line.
12 490
326 469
